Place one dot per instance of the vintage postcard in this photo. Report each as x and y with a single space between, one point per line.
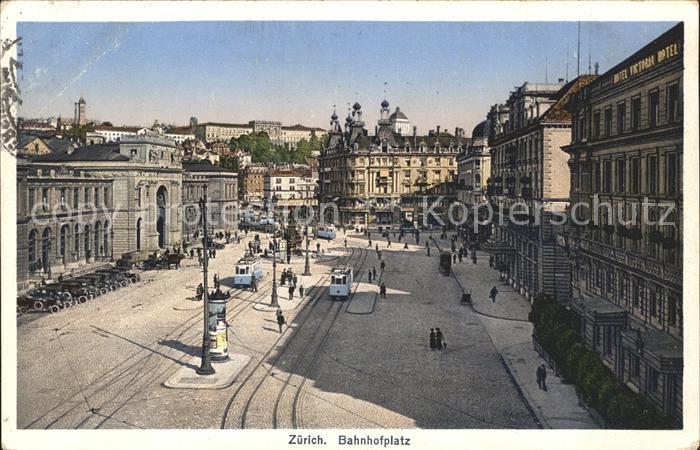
349 225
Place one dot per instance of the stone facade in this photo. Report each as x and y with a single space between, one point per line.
387 178
64 221
529 185
253 184
627 149
221 186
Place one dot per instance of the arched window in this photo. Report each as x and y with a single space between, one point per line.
31 250
98 239
86 238
46 248
76 240
63 245
105 239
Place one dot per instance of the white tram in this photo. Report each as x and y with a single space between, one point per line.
247 268
341 283
326 232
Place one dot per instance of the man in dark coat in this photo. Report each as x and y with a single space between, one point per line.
254 283
382 290
493 293
382 266
374 272
544 377
440 339
291 292
283 279
280 319
200 291
539 376
433 341
369 275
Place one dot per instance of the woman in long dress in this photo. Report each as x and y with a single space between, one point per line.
433 342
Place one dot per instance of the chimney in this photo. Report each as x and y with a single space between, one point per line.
596 68
376 128
456 131
415 130
438 131
561 80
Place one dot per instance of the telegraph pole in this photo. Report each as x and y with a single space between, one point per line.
205 368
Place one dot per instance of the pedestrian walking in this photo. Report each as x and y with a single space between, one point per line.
254 283
454 258
493 293
289 258
283 278
460 256
191 253
345 242
200 261
428 248
538 374
216 280
200 291
301 291
374 272
291 292
318 249
440 339
369 243
280 319
369 275
388 242
405 245
382 290
433 340
379 255
544 377
377 248
382 266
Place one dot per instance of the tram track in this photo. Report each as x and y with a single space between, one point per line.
136 366
259 374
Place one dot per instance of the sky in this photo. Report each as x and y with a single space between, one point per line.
438 73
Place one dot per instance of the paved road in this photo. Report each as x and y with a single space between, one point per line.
102 364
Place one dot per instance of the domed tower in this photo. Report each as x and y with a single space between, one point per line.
400 123
384 114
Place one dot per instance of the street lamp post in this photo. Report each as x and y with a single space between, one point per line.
273 301
307 269
205 368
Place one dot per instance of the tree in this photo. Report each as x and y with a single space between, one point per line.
107 124
229 163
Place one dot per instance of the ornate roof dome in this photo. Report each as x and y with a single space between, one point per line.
356 106
398 115
385 104
481 130
334 116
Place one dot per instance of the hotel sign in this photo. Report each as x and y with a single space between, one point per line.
660 56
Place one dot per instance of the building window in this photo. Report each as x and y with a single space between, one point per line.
652 171
673 103
106 196
621 113
672 310
636 113
97 196
86 196
31 250
63 197
76 240
620 175
45 198
653 379
653 108
607 176
596 124
671 174
634 366
596 177
278 181
634 176
607 121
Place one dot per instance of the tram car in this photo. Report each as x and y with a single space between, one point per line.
341 283
326 232
247 268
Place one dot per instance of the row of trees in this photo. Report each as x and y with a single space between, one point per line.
262 150
555 330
